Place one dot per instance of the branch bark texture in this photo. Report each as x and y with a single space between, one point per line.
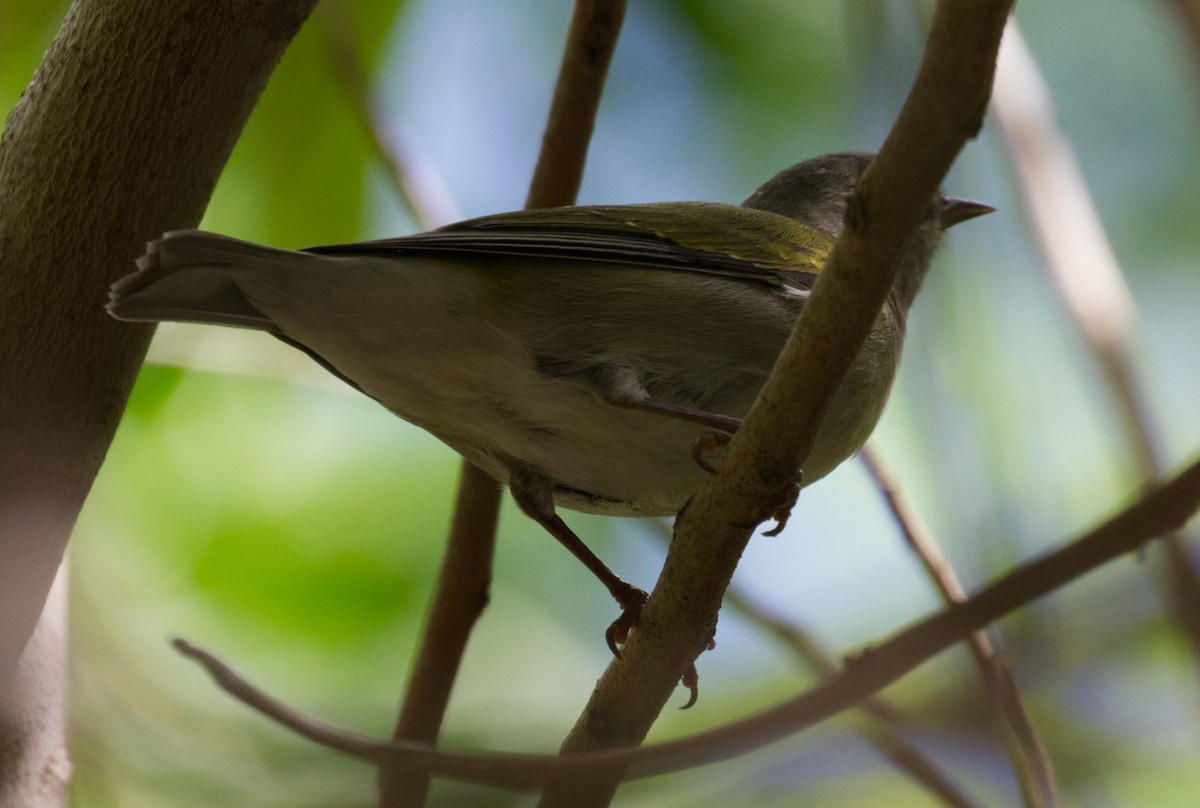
120 135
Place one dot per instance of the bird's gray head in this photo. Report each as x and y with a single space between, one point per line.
815 192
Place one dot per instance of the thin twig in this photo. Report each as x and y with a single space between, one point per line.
587 53
877 729
1026 751
1089 280
466 568
880 715
1157 512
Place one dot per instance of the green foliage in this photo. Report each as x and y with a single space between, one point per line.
25 32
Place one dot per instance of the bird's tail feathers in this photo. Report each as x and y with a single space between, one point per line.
191 276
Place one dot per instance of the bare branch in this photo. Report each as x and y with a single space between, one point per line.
591 40
162 91
466 570
944 109
1089 280
1026 751
1155 513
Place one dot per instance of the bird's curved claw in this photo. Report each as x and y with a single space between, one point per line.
691 680
631 614
783 509
709 441
691 677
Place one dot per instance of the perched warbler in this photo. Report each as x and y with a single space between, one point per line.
574 353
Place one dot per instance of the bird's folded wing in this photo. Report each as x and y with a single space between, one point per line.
703 237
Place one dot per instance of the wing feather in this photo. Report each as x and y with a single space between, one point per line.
703 237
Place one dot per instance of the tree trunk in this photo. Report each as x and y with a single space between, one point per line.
121 135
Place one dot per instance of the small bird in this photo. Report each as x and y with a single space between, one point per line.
574 353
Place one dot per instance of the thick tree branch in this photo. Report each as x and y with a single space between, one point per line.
120 135
944 109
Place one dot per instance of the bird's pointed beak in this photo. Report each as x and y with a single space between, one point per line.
957 211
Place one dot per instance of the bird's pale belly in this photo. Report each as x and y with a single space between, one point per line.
600 457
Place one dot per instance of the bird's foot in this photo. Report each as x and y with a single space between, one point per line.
631 601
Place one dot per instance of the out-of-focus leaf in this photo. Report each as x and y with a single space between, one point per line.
297 176
26 29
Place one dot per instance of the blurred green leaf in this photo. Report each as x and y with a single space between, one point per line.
26 29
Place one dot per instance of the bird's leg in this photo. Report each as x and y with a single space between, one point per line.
717 436
534 495
622 387
714 421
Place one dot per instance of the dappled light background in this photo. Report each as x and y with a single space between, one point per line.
255 506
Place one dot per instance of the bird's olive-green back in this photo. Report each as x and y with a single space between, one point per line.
710 238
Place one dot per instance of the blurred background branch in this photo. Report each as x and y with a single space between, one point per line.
1025 749
1156 512
1188 13
1079 259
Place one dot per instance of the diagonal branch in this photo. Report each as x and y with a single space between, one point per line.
1166 508
1026 751
1088 277
419 188
120 135
944 110
880 717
